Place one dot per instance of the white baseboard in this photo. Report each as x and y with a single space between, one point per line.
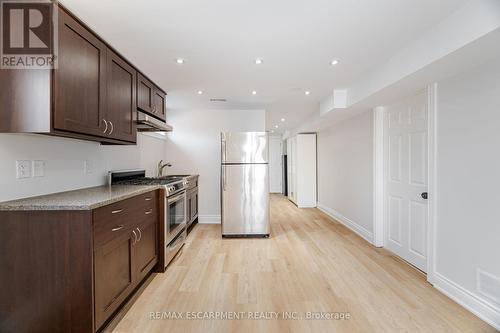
478 306
209 219
363 232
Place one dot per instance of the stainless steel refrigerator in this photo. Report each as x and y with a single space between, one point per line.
245 184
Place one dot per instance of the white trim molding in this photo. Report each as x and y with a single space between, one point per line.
209 219
355 227
478 306
378 176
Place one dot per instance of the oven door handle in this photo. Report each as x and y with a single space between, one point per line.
176 198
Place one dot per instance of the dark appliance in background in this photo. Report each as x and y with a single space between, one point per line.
285 175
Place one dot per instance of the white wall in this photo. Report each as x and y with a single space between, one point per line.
468 184
64 162
194 148
305 162
345 172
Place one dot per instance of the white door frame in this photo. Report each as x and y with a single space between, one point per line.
379 213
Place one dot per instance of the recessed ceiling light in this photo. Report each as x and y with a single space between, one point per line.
259 61
282 120
276 126
334 62
180 61
200 92
272 131
307 92
254 92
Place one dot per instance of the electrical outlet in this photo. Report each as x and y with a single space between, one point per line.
87 167
23 169
38 168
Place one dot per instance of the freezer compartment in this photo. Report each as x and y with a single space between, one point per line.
244 147
245 200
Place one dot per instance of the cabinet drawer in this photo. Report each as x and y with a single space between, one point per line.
116 219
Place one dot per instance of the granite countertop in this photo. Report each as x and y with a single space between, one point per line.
84 199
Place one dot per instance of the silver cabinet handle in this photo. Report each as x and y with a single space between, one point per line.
120 227
117 211
140 234
112 127
148 212
148 199
135 237
105 123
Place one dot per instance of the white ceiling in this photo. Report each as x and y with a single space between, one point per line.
220 40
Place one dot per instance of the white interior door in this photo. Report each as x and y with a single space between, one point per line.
406 179
275 164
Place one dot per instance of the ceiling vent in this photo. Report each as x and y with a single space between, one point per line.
218 100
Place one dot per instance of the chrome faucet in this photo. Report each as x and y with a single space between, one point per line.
162 166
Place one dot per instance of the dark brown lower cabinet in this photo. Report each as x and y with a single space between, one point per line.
114 273
146 249
71 271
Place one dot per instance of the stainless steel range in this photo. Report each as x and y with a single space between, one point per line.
175 217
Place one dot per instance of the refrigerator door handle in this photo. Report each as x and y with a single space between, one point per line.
224 150
223 146
224 178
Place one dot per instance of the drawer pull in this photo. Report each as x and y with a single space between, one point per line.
149 199
148 212
120 227
117 211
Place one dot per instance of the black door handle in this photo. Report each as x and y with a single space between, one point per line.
424 195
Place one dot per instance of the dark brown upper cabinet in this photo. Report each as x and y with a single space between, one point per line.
159 104
120 98
80 80
150 98
93 95
145 91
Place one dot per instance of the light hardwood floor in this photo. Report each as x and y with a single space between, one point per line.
310 264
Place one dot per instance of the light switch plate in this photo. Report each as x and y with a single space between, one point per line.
23 169
38 168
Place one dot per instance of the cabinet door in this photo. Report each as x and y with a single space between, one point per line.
145 92
114 275
159 106
121 98
79 81
146 248
194 205
189 204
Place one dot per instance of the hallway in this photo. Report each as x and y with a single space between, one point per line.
309 264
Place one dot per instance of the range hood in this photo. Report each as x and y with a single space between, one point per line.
146 123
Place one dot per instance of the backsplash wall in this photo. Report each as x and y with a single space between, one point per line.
64 162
